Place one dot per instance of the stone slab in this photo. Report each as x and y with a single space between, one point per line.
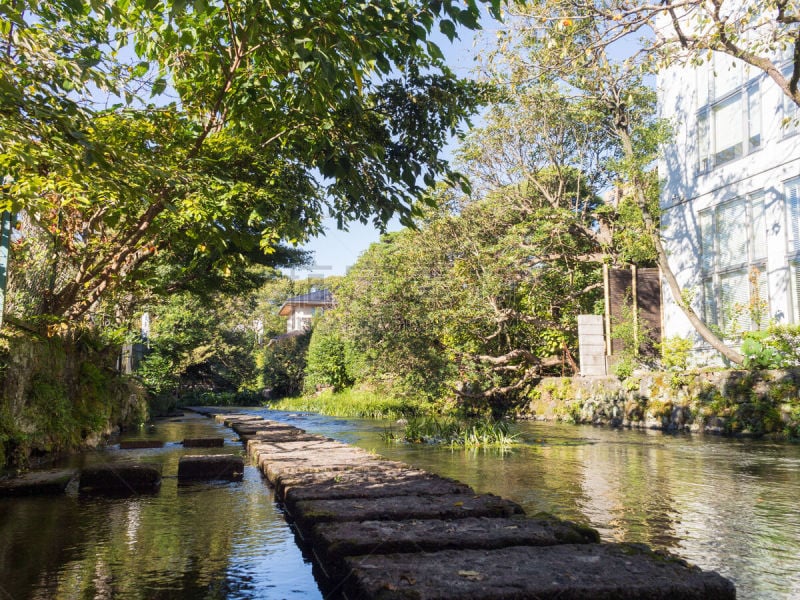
332 462
297 435
564 572
209 442
138 444
372 484
37 483
120 479
356 477
308 513
333 542
210 467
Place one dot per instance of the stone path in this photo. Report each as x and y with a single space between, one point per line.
382 529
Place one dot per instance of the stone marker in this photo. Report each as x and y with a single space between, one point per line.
37 483
400 508
215 442
120 478
564 572
210 466
138 444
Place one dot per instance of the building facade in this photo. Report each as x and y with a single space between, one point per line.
300 310
731 197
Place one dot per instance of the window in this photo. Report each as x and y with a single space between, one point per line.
791 112
792 196
733 238
729 128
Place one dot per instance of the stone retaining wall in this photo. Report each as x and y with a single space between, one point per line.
720 402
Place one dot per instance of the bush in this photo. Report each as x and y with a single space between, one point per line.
282 365
327 364
675 352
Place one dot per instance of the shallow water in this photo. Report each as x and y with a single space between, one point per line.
723 504
201 541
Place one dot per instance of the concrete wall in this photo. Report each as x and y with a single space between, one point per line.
724 402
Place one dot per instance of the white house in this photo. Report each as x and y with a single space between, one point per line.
731 200
300 310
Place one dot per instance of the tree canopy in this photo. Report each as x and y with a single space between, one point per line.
209 134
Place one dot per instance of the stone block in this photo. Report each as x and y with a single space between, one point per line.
120 479
37 483
308 513
333 542
563 572
210 467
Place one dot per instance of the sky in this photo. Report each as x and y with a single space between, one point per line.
337 250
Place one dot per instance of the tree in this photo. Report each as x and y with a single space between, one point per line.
217 129
763 34
576 53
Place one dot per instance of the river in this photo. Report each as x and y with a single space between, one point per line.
724 504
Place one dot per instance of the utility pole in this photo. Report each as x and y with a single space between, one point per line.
5 245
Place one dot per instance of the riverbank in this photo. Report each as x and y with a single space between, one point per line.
739 403
60 394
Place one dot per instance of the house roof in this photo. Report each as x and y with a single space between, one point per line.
315 298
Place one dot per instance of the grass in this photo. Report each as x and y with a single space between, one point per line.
454 432
362 404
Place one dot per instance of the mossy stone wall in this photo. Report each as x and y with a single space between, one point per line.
60 394
724 402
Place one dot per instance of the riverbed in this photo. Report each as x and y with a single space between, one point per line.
724 504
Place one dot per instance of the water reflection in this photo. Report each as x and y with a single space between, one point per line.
723 504
203 541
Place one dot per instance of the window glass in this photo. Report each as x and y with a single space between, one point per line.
703 142
793 213
753 117
707 240
791 112
759 236
732 234
734 299
728 135
727 74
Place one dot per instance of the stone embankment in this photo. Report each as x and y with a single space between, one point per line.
382 529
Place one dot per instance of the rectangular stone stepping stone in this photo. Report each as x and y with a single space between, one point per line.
138 444
37 483
563 572
308 513
333 542
210 467
120 478
215 442
374 486
394 471
287 435
331 462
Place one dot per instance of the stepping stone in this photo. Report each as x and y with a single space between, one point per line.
351 479
372 485
214 442
210 467
37 483
120 479
333 542
137 444
564 572
231 420
287 435
308 513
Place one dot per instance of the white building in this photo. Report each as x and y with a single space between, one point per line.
300 310
730 204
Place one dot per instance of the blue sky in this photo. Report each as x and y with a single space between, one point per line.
337 250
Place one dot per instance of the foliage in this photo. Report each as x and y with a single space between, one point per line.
762 34
454 432
199 346
675 352
776 347
352 402
327 363
282 363
169 145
